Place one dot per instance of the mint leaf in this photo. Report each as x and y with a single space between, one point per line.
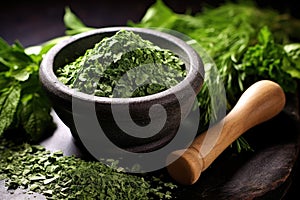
15 57
23 105
34 110
9 100
158 15
3 45
21 75
73 24
72 21
35 115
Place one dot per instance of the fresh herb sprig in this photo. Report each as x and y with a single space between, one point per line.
23 103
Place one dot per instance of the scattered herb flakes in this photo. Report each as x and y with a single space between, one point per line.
6 194
67 177
146 68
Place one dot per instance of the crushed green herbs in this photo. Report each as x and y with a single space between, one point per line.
58 177
123 65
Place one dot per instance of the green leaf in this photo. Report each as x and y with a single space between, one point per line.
265 35
35 115
73 24
3 45
21 75
71 20
19 67
9 100
158 15
16 57
37 177
293 52
16 63
5 81
49 180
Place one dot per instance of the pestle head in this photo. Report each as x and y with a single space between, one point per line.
187 167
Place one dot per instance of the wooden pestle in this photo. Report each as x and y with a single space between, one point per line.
260 102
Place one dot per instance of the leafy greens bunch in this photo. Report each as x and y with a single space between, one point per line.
24 106
245 43
25 110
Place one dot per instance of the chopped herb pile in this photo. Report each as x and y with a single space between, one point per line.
67 177
123 65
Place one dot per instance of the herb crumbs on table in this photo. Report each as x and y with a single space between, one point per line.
57 176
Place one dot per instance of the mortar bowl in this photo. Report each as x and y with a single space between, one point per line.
79 110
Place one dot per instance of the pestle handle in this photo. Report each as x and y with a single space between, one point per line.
260 102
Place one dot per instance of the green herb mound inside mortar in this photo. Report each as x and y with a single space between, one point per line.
123 65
